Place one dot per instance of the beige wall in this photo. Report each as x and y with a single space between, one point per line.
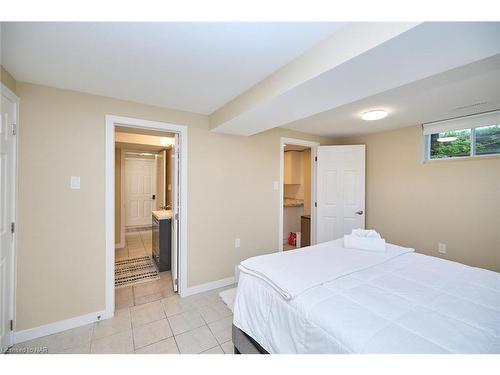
7 79
61 243
420 204
118 197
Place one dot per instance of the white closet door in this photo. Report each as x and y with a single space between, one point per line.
340 191
7 176
139 190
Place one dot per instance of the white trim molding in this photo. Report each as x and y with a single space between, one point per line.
122 199
182 131
56 327
208 286
299 142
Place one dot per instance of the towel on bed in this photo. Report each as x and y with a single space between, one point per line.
366 233
362 239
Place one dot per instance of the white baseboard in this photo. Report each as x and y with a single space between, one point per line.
56 327
208 286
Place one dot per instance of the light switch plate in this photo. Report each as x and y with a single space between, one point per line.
442 248
75 182
237 243
276 185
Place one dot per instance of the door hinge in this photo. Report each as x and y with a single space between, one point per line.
176 216
11 325
14 129
315 158
12 227
175 282
315 204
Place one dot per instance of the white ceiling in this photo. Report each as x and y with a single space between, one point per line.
138 147
424 51
458 92
195 67
141 139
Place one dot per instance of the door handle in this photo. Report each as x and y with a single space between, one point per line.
359 212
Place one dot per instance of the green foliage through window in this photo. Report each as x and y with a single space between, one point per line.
488 140
456 148
458 143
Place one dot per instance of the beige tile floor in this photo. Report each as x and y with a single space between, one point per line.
137 244
149 319
286 247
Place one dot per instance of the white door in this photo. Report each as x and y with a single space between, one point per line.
139 190
174 164
340 191
7 189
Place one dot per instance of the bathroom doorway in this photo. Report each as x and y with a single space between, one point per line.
145 212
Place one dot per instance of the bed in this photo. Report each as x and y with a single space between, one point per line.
329 299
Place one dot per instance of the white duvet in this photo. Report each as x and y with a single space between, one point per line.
404 303
293 272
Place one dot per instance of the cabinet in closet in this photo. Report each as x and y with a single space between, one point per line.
293 167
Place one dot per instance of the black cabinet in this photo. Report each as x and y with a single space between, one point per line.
305 230
162 243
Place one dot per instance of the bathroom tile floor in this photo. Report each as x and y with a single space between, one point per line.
149 319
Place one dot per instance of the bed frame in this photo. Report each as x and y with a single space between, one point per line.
244 344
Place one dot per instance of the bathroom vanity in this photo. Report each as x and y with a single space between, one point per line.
162 243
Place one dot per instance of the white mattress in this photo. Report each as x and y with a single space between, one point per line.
408 304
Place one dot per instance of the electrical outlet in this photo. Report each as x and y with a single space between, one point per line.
237 243
442 248
74 182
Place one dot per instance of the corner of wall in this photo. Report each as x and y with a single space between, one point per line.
8 80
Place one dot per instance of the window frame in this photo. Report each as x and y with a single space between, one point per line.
472 155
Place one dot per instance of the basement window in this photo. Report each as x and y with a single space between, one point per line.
470 136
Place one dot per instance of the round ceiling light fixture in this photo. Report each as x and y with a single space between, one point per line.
446 139
376 114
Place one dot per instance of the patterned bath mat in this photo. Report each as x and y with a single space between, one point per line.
134 271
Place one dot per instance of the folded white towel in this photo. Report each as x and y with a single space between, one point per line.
360 243
365 233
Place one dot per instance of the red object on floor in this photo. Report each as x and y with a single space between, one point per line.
292 239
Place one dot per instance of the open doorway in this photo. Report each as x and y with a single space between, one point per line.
144 168
145 211
297 193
